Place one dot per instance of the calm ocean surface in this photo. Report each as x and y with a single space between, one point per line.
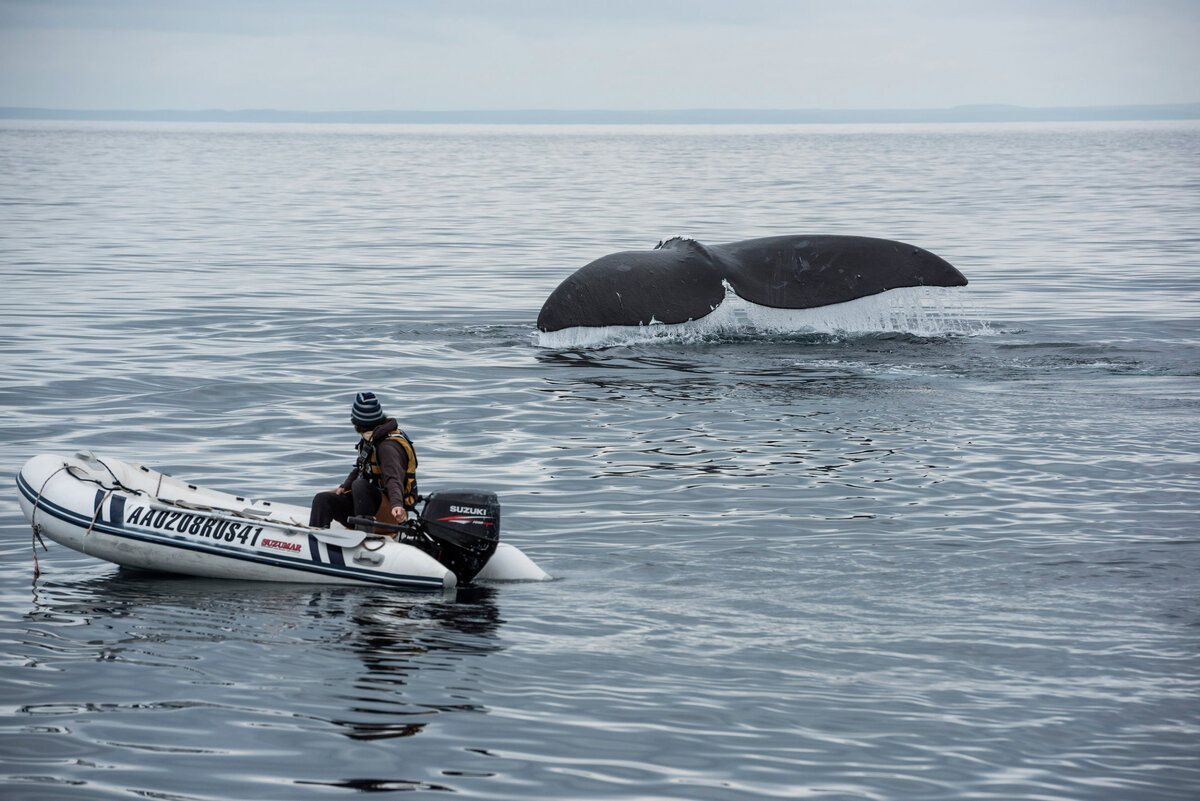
957 565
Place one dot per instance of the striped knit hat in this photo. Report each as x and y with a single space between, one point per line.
366 411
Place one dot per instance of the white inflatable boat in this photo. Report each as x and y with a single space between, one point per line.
134 516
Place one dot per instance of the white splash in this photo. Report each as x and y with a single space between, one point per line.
922 311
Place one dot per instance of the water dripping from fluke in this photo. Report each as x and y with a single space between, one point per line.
925 311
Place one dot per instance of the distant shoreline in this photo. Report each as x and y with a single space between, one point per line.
982 113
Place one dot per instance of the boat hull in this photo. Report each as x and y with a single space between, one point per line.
136 517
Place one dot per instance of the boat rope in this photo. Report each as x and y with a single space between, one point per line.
117 485
37 540
37 531
117 482
179 503
96 514
176 502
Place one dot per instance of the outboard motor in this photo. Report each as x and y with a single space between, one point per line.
466 526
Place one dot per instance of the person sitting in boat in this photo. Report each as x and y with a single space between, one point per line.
383 480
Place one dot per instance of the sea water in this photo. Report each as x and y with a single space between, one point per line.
943 547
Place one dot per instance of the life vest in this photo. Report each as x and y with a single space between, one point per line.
369 466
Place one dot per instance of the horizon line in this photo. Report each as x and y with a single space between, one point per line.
981 112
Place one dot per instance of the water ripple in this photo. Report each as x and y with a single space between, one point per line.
869 566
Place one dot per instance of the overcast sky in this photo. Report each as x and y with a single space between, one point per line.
342 55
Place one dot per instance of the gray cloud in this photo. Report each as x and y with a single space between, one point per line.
321 55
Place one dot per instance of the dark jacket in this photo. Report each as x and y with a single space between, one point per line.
391 461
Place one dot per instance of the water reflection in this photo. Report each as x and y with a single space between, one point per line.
393 640
211 634
381 785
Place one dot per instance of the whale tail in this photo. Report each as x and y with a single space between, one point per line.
682 280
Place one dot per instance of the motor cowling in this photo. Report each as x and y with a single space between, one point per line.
465 524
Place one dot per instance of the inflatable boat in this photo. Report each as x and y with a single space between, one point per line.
138 517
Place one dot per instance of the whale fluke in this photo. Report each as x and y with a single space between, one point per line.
683 280
676 282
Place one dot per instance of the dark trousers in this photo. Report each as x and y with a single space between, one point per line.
362 499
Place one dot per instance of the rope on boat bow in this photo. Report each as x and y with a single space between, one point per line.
96 514
37 531
36 539
117 485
